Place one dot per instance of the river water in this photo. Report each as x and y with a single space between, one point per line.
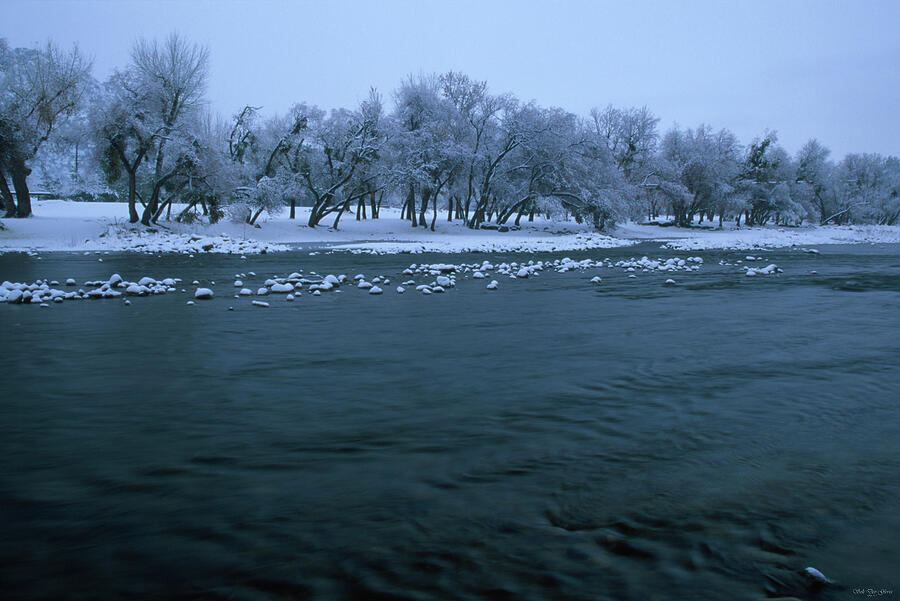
553 439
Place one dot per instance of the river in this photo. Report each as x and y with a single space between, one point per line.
553 439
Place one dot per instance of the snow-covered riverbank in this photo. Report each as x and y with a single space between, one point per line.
73 226
730 238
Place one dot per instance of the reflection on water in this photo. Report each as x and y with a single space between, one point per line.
553 439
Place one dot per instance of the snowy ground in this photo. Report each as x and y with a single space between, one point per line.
760 237
69 226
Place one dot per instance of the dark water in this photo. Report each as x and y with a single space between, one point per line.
551 440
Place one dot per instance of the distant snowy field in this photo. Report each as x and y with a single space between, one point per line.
59 225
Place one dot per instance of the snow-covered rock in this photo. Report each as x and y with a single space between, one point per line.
245 292
257 303
282 288
375 290
816 576
323 286
238 284
262 291
492 285
767 270
400 289
364 285
670 282
204 294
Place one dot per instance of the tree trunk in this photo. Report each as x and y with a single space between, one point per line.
167 205
411 206
184 212
149 210
8 201
20 174
341 211
163 207
293 208
373 206
435 212
152 206
426 196
132 193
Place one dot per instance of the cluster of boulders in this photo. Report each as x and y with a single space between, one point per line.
43 292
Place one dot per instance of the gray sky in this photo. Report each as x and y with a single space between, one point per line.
823 69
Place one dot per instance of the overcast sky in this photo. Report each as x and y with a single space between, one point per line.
823 69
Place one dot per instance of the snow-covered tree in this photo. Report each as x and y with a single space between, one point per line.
766 170
148 124
272 150
424 148
39 91
632 139
869 189
332 166
66 164
813 181
697 170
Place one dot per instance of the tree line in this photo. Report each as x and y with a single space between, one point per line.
444 146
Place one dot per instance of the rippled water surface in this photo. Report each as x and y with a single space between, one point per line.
550 440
